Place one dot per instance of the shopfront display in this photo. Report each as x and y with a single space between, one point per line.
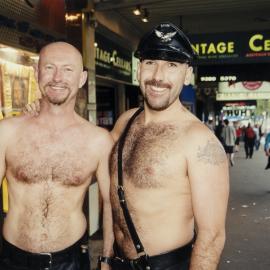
17 88
105 107
113 73
18 85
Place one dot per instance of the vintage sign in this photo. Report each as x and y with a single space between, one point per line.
112 61
228 48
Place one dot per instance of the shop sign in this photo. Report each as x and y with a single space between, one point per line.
228 48
135 64
112 61
29 36
243 90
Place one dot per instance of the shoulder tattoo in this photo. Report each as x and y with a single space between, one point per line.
211 153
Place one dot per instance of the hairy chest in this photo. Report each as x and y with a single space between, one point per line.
46 157
148 155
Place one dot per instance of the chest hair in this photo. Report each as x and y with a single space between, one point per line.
43 159
146 154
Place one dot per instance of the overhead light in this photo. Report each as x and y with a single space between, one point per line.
72 17
145 17
137 10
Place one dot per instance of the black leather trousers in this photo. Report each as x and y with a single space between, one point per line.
178 259
75 257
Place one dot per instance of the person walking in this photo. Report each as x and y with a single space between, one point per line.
257 137
238 131
249 139
267 150
229 138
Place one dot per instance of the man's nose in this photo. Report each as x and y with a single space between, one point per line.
57 76
158 74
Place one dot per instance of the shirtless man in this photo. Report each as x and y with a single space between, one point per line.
49 161
175 172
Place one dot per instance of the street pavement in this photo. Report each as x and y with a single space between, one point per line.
248 221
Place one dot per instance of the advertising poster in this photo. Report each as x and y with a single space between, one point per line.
19 92
1 93
19 87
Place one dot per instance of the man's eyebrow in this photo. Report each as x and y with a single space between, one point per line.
68 65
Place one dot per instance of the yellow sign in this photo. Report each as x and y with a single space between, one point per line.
257 43
5 195
214 48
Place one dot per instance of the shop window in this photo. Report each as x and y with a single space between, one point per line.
17 88
17 82
105 107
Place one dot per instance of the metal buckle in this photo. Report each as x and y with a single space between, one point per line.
121 193
49 257
118 259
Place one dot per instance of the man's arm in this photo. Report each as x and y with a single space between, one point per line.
209 180
2 151
103 179
121 123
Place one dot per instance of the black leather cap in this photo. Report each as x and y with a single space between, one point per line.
166 42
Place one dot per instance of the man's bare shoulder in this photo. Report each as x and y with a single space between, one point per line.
12 123
97 136
10 127
202 144
121 123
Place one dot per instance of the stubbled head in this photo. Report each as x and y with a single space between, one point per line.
60 72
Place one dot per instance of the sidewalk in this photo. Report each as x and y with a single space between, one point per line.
248 221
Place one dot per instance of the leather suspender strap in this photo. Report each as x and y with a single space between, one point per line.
132 230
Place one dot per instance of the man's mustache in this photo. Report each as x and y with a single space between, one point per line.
157 84
53 84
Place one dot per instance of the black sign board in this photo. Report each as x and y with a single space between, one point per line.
232 48
112 61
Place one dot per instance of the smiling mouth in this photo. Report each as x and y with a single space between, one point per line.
157 91
57 88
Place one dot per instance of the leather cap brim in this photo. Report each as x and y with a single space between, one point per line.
165 55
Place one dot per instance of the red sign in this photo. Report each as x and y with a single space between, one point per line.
252 85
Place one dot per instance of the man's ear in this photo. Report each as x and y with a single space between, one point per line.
188 75
83 78
139 71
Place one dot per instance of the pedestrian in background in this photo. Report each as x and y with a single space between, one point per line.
238 131
267 150
229 137
210 124
249 139
218 131
257 137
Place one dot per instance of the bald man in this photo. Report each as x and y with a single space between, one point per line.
49 161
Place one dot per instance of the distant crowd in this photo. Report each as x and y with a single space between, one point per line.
230 134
